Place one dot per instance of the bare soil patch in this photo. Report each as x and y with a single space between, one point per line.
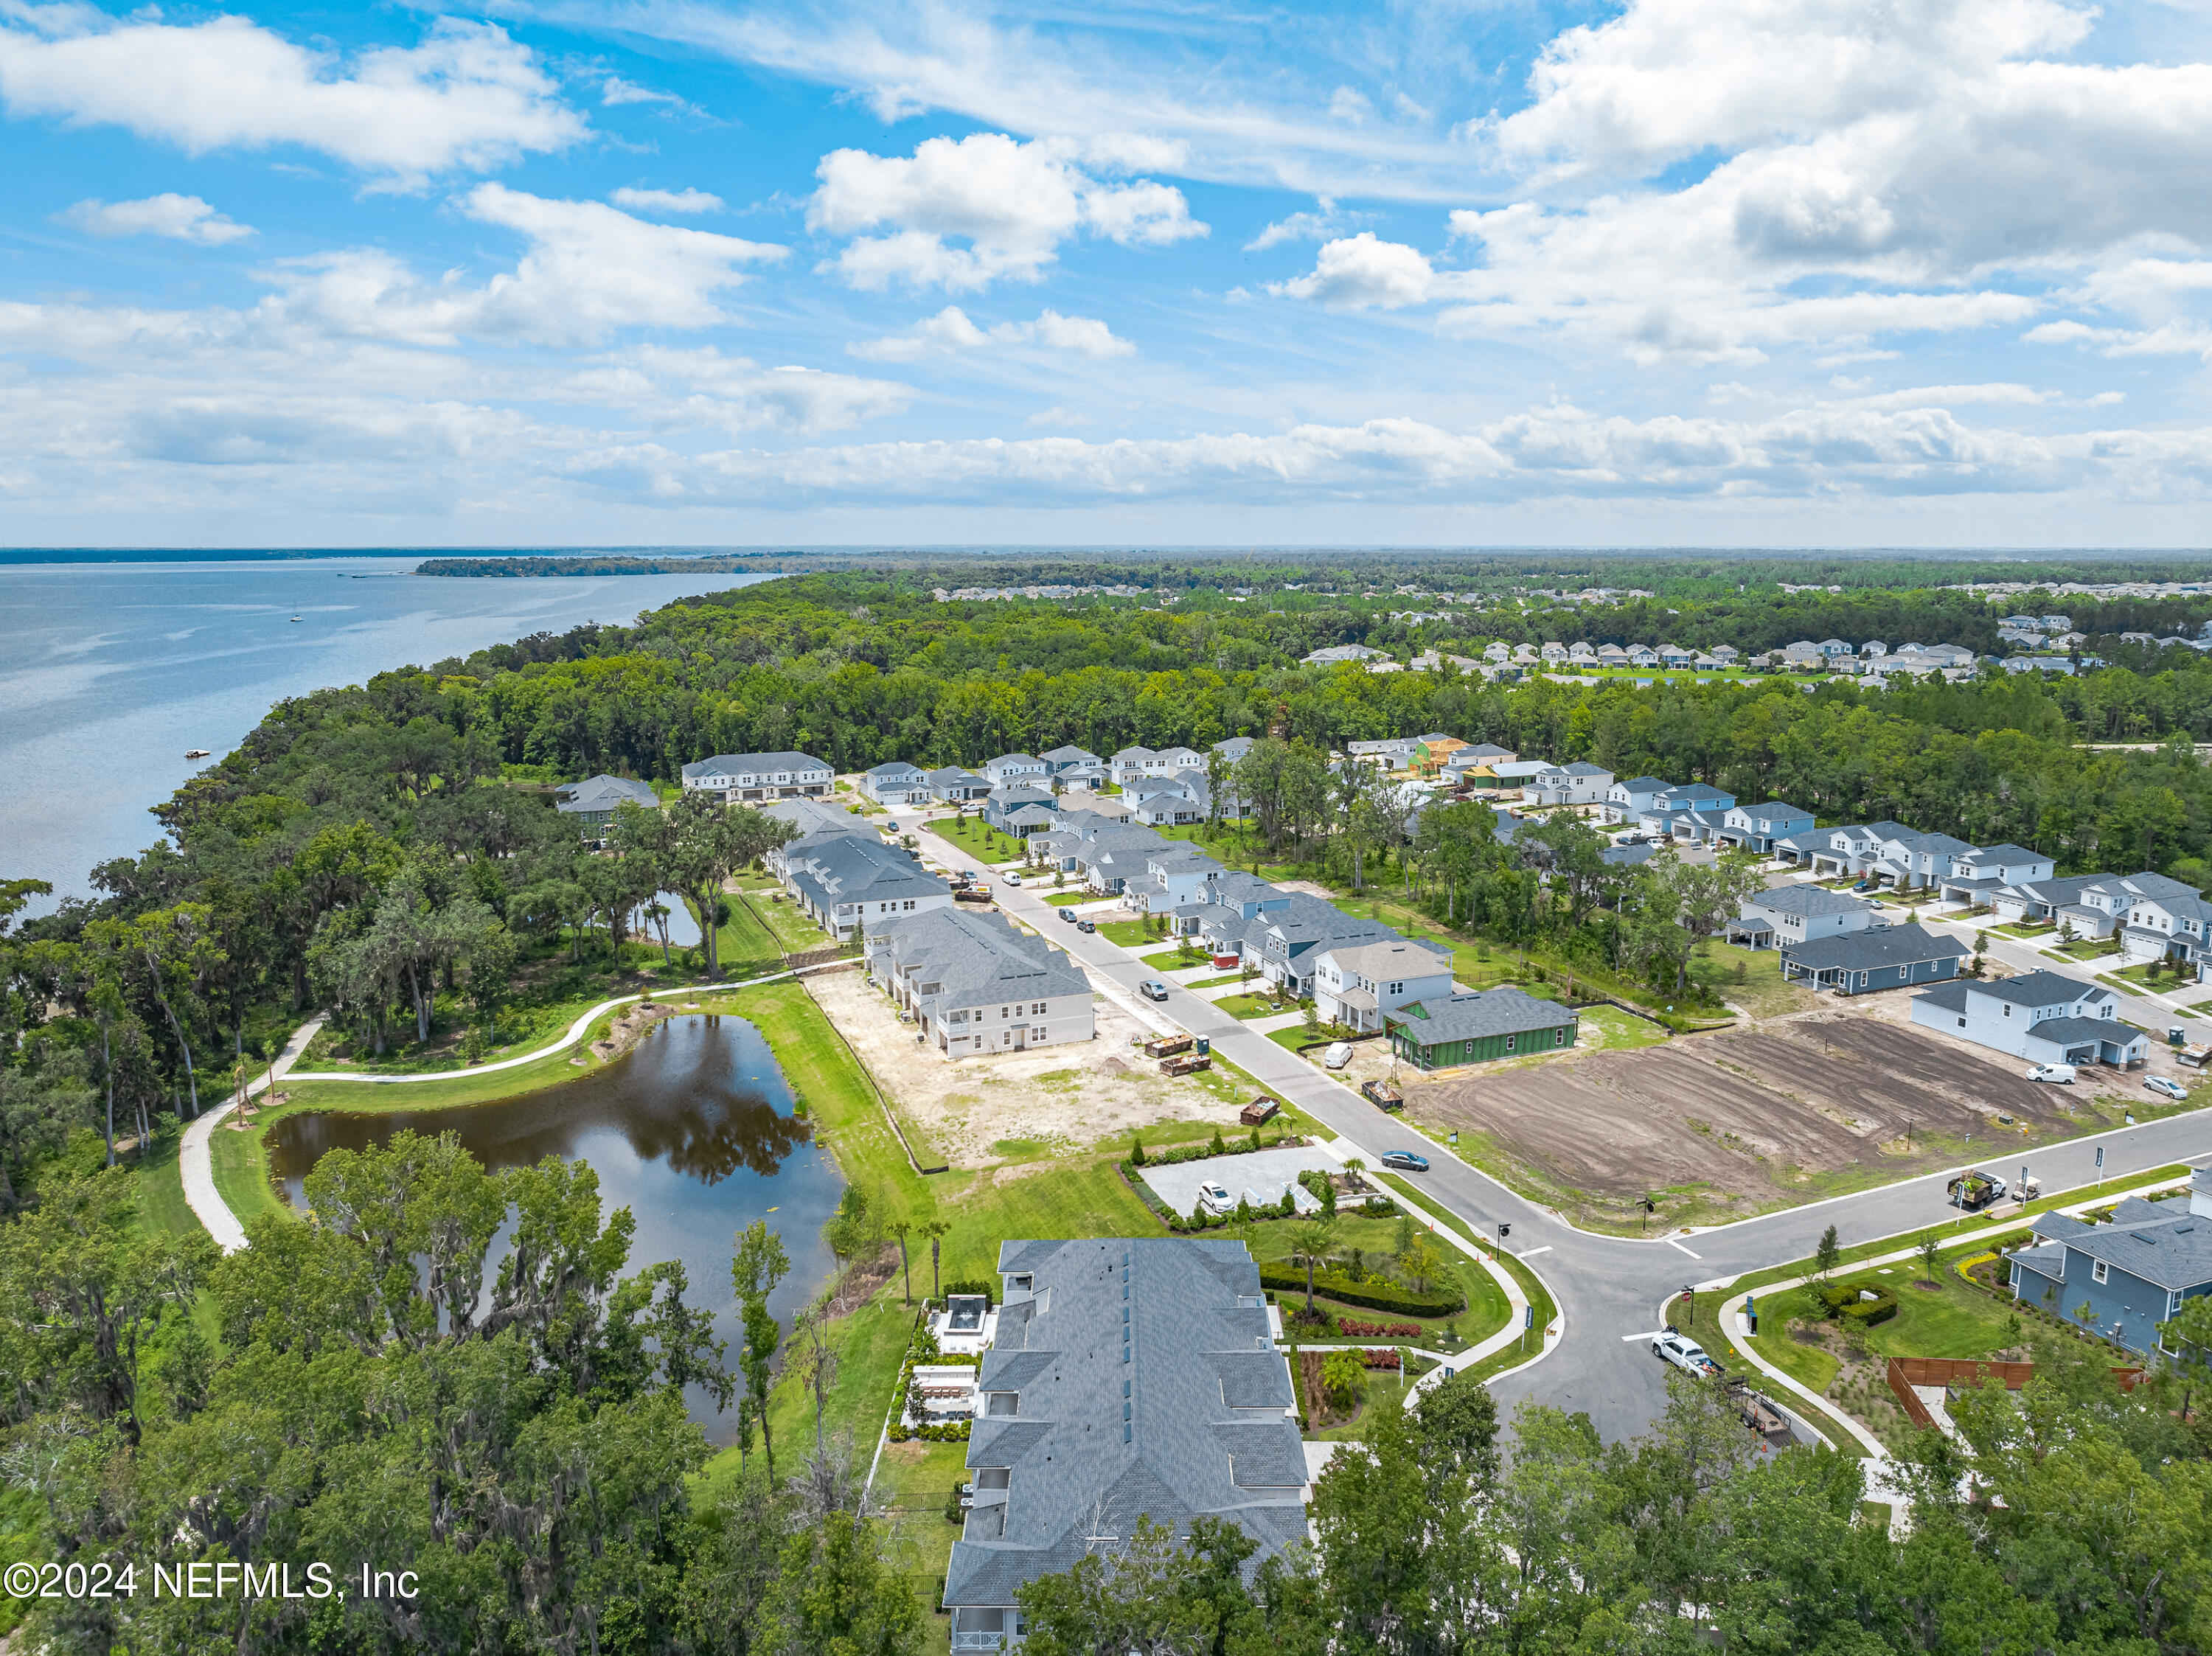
1739 1122
1052 1098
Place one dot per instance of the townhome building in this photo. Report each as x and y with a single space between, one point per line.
2042 1016
2121 1279
850 882
1070 766
956 785
1130 1380
591 803
1360 985
977 986
896 783
1786 916
1758 827
744 778
1013 769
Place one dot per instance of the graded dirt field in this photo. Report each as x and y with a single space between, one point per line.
1051 1098
1727 1124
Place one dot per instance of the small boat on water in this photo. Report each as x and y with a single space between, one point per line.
196 753
295 617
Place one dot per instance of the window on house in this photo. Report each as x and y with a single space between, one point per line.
2098 1271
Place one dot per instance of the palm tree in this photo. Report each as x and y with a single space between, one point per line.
1310 1242
899 1228
934 1229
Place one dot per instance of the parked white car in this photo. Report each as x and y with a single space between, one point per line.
1684 1353
2059 1074
1215 1198
2165 1086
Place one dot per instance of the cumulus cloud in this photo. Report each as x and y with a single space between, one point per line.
590 270
181 218
469 97
1012 203
667 201
951 331
1356 273
1317 226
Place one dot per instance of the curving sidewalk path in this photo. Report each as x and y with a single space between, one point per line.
196 1160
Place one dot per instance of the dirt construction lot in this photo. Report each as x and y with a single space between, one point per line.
1052 1098
1741 1122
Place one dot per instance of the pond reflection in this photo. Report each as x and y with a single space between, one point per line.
694 1132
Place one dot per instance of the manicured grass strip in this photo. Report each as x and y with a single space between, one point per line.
161 1190
978 839
1547 1312
1130 934
1068 899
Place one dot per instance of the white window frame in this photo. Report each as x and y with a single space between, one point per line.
2099 1272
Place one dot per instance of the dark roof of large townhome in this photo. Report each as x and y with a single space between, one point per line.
1069 755
1811 901
1872 949
754 764
1478 1014
959 959
835 868
1146 1385
818 817
603 793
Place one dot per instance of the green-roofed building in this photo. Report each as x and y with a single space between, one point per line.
1471 1028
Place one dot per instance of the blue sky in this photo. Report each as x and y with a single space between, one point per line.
1780 272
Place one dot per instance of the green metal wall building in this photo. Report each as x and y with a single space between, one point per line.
1471 1028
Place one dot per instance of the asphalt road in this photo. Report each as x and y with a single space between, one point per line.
1611 1290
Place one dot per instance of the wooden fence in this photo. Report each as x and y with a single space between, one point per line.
1905 1373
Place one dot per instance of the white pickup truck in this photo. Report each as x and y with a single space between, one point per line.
1684 1353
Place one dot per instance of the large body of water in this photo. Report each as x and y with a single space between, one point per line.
694 1132
110 672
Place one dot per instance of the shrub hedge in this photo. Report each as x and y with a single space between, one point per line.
1842 1300
1287 1279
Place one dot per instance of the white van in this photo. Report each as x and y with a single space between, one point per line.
2059 1074
1338 1055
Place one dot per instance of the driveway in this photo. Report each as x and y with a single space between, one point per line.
1178 1185
1610 1291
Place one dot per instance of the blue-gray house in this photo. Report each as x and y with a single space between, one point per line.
1881 957
1756 827
2122 1279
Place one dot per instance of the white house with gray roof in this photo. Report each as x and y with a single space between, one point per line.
1579 784
1627 801
1359 985
1759 827
2132 1273
1791 914
896 784
2042 1016
956 785
1981 873
1131 1378
1071 766
744 778
976 985
849 881
1011 769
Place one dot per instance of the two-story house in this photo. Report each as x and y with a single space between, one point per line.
1071 766
1019 808
2167 924
1697 800
1791 914
2043 1016
744 778
896 783
1981 873
1015 770
591 803
1627 801
2121 1279
1171 878
977 986
1359 985
1577 784
849 881
1758 827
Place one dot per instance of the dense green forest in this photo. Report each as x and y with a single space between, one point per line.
390 1386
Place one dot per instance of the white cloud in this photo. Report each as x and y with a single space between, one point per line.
468 97
1359 272
667 201
1317 226
181 218
1013 204
1349 105
951 331
590 270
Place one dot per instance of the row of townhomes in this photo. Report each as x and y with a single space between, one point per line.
1360 972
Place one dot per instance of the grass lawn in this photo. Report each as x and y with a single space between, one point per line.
1377 1239
1761 991
1215 983
977 837
2088 948
1069 899
2025 929
161 1191
1248 1006
783 920
1608 1029
1949 1319
1172 960
1130 934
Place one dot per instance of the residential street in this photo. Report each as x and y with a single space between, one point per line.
1610 1290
